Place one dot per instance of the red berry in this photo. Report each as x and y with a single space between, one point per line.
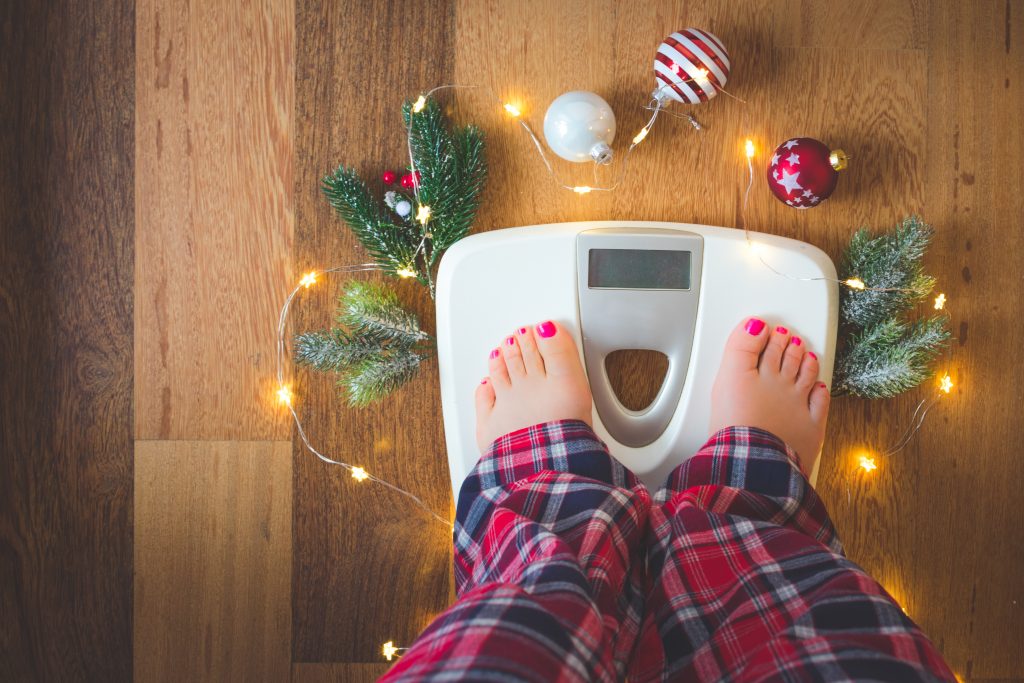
408 182
389 177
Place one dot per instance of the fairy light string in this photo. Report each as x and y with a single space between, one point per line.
866 463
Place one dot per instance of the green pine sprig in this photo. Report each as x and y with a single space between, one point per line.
378 348
452 169
891 357
883 355
890 266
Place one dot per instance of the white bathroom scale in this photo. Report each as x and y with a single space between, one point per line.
675 288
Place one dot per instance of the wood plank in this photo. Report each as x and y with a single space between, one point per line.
212 561
369 567
338 673
66 262
862 25
970 456
215 101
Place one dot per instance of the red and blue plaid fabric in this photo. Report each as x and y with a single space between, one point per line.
567 570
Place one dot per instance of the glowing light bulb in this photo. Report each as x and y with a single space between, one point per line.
582 189
702 77
423 214
641 135
389 650
359 474
513 110
749 148
940 302
308 280
854 283
418 105
406 272
867 463
284 396
946 384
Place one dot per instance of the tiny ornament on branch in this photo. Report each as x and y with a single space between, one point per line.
803 172
690 66
579 126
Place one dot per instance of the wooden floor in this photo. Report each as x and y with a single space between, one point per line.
159 164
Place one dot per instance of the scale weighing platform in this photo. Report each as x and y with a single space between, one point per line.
675 288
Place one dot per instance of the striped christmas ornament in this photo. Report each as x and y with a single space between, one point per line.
691 66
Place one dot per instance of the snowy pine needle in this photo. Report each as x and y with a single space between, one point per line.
891 261
884 355
377 349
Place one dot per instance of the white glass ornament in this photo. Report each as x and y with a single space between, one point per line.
580 126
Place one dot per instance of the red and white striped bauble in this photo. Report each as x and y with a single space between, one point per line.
691 66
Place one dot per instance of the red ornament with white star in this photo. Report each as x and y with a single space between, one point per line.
803 172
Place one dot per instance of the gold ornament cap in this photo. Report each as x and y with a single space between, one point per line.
838 159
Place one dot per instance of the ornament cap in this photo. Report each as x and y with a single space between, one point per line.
838 159
601 153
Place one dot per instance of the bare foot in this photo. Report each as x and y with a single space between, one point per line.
535 375
769 379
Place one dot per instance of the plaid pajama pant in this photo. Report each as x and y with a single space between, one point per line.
568 570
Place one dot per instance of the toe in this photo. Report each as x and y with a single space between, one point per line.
531 354
819 401
771 359
808 373
557 349
745 344
484 398
498 371
792 357
513 358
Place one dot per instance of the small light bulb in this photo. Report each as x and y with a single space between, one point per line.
423 214
702 77
389 650
582 189
749 148
854 283
359 474
308 280
512 109
406 272
867 464
641 135
284 396
946 384
940 302
418 105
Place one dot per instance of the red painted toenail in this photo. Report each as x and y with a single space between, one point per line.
546 329
483 381
797 341
781 330
495 353
510 341
822 385
754 326
812 355
522 330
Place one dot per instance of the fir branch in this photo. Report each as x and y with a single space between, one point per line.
374 311
391 246
379 375
333 351
891 261
890 357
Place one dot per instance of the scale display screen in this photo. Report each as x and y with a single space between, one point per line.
639 269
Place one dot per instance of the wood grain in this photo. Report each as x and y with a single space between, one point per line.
880 80
369 566
212 561
214 143
66 261
338 673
